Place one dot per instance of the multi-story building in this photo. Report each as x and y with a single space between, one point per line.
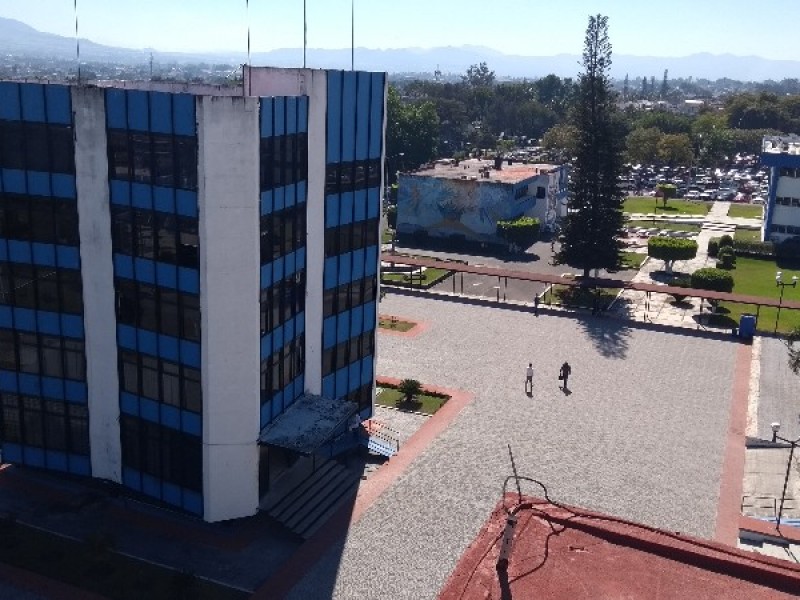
180 266
463 201
782 212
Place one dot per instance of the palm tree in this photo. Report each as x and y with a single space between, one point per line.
410 387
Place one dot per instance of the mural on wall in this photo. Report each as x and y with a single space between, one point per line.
456 207
557 181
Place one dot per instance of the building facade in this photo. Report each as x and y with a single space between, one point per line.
782 212
463 201
178 268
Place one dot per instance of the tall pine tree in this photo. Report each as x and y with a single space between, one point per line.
590 232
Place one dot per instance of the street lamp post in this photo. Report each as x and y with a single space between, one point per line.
775 437
782 284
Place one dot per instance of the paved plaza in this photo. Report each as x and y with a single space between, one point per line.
641 436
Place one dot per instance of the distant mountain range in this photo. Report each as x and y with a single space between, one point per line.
20 39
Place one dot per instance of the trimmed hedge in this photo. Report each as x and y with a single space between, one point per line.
753 248
725 240
716 280
713 247
521 232
671 249
727 257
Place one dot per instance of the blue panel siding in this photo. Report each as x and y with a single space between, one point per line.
144 270
183 114
120 192
29 384
33 102
266 202
291 116
149 342
279 199
373 204
358 264
142 195
356 321
160 112
266 117
75 391
10 109
162 414
59 105
44 254
280 116
192 502
63 185
138 110
360 205
345 268
68 257
14 181
371 260
329 386
19 251
363 115
24 319
376 116
302 114
191 423
366 369
331 273
349 117
334 120
164 199
343 327
331 211
38 183
6 317
53 388
167 275
116 111
369 315
341 382
346 202
186 203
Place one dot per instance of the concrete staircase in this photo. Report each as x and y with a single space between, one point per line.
315 496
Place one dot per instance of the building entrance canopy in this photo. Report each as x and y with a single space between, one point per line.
308 424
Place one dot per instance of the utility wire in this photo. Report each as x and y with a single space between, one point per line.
77 41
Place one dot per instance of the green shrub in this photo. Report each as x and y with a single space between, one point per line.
712 279
726 257
725 240
713 247
671 249
753 248
521 232
684 281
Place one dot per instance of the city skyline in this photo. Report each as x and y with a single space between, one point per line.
679 28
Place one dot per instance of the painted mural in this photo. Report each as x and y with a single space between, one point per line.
457 207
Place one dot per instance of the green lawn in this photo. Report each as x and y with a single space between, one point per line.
664 225
429 277
422 403
748 211
632 260
756 277
386 236
581 297
640 204
93 566
747 235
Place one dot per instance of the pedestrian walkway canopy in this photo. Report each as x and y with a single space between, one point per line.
307 424
596 282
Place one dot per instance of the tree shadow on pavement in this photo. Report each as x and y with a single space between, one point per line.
609 336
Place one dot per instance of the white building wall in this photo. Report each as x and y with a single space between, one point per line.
97 272
786 215
788 186
228 185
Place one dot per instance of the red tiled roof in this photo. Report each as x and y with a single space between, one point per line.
570 554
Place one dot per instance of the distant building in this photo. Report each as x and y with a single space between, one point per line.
179 267
465 200
782 214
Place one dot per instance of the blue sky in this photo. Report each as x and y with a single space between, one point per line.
526 27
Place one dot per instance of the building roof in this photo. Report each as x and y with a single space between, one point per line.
473 168
560 552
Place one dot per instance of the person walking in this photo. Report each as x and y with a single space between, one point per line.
564 373
536 305
529 378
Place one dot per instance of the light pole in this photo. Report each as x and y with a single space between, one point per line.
782 284
775 437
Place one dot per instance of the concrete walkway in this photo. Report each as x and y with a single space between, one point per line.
661 308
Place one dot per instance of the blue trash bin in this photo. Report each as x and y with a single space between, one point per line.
747 326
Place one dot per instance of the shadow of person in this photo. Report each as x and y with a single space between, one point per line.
529 393
566 391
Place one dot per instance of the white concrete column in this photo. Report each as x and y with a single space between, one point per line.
97 271
228 185
315 239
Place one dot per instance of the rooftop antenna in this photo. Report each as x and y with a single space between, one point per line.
250 72
305 33
77 42
352 35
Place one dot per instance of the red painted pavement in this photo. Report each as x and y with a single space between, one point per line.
729 506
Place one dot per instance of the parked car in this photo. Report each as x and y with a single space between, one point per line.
692 195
